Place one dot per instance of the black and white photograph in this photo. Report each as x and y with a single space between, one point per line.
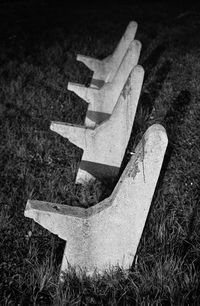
99 153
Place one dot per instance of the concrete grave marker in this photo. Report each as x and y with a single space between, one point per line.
105 70
104 145
102 101
108 233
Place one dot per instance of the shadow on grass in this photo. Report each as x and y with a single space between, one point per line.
172 120
152 60
176 114
144 109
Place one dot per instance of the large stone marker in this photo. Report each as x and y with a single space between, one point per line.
104 146
102 101
108 233
105 70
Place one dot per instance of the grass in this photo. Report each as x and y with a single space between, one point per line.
37 59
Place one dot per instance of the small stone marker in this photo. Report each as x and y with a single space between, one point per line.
108 233
104 146
105 70
102 101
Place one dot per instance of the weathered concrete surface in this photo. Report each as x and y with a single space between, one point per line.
102 101
107 234
105 70
104 146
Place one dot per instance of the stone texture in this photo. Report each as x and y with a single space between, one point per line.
104 146
107 234
105 70
102 101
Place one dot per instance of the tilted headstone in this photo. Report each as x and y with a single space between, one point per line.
108 233
105 70
104 145
102 101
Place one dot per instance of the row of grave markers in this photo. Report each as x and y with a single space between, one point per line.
107 234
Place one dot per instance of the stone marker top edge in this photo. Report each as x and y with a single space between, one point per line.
132 24
70 124
159 129
74 211
79 212
129 33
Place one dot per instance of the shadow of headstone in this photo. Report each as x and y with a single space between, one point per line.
145 107
172 120
151 61
177 112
